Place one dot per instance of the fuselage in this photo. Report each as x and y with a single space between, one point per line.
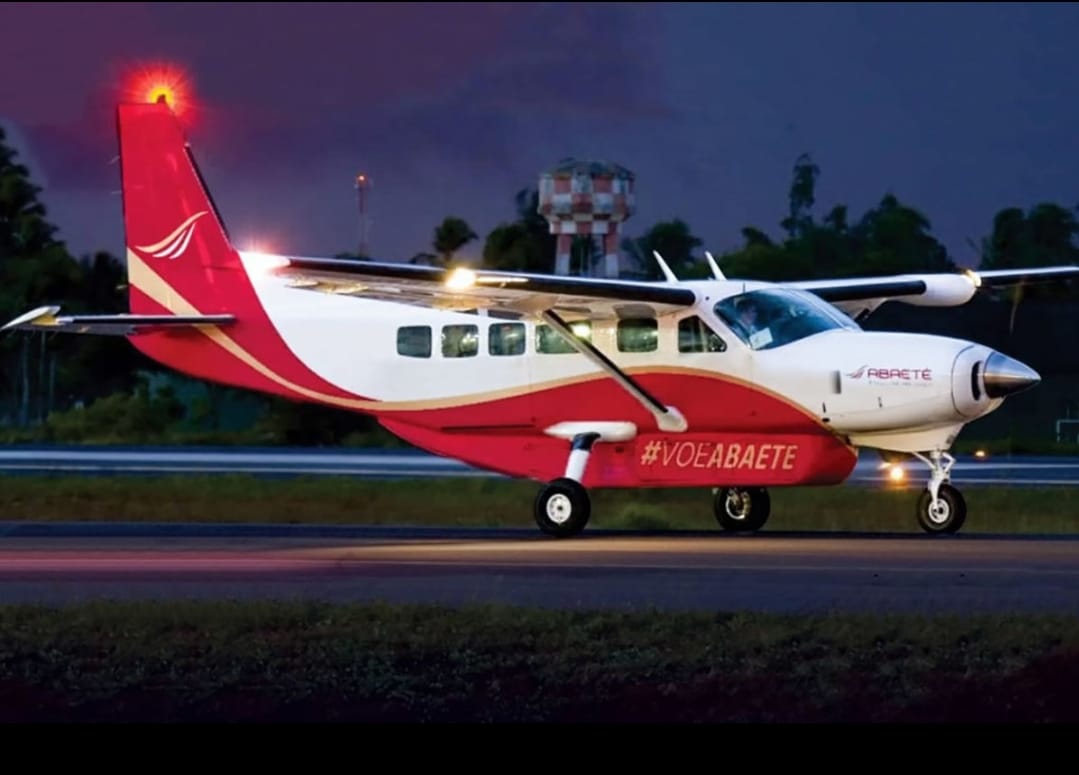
787 404
412 361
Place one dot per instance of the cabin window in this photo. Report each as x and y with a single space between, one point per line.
414 341
462 341
550 341
696 336
638 335
506 339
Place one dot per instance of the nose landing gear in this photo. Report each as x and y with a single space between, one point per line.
941 507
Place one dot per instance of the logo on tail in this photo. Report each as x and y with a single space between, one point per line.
174 245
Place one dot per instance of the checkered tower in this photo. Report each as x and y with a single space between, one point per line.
586 198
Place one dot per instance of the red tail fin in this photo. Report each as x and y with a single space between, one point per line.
172 228
180 261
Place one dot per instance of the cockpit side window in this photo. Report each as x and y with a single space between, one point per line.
696 336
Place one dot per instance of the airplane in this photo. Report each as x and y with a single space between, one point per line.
576 383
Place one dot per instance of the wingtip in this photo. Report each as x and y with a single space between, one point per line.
29 318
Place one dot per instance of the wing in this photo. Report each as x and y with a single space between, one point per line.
47 319
861 295
515 293
540 296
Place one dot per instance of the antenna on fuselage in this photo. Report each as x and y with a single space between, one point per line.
716 273
666 269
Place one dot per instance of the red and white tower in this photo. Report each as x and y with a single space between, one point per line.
590 198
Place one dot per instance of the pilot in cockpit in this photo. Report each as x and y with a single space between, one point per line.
748 315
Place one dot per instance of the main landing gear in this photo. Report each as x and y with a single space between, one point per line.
941 507
742 509
562 507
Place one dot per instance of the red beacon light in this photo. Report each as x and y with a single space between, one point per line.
162 94
160 84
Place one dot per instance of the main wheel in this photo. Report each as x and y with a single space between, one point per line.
562 508
949 514
742 509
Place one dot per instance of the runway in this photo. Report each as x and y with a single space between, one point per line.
395 464
791 573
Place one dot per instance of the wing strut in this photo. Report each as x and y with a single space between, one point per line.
667 417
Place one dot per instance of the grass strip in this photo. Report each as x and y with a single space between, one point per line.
500 503
291 661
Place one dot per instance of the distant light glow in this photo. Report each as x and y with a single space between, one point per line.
979 453
896 474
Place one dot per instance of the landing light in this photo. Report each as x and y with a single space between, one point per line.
461 278
263 263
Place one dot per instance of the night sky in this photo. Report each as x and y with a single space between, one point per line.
958 109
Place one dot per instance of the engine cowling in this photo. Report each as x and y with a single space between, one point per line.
968 381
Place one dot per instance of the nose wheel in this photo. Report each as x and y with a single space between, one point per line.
946 515
941 508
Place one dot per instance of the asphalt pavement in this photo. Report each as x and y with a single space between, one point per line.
56 563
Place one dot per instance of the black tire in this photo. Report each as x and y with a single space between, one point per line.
562 508
742 509
952 511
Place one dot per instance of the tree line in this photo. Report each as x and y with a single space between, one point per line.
76 387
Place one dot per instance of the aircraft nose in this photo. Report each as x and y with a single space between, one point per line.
1006 376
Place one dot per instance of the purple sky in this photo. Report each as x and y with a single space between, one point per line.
959 109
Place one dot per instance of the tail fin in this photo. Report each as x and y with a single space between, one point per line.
180 262
182 270
175 238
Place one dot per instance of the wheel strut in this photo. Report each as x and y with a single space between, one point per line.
941 508
940 472
562 507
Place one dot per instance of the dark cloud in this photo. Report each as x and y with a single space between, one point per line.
961 109
281 86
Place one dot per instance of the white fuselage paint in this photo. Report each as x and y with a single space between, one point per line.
876 387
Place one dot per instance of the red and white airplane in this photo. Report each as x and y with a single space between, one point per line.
575 382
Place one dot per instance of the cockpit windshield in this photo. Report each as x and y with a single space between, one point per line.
772 317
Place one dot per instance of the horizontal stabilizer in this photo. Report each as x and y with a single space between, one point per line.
48 319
